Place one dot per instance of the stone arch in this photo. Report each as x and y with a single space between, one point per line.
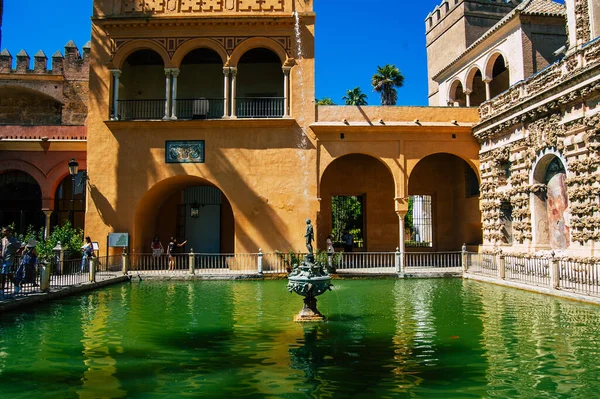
257 42
140 44
456 93
194 44
27 167
57 174
489 63
549 201
365 180
29 106
472 165
471 76
158 196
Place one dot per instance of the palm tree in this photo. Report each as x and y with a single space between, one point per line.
325 101
385 82
355 97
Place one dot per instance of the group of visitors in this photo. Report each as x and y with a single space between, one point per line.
348 243
158 249
25 271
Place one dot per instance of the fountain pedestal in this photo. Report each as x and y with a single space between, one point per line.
309 280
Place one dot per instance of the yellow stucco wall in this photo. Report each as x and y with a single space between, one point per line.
269 170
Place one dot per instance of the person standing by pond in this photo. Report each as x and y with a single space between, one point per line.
26 272
87 253
10 247
170 251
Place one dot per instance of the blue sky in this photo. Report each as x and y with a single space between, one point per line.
353 37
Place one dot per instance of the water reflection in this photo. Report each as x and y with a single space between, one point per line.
384 338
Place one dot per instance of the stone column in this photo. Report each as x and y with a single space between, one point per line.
286 91
116 73
174 73
167 92
48 214
226 72
468 97
401 247
487 88
233 72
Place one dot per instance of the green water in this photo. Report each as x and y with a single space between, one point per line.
384 338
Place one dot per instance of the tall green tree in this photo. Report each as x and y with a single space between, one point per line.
355 97
325 101
385 82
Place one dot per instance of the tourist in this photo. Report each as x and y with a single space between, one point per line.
25 274
330 249
10 247
157 247
349 242
170 250
87 253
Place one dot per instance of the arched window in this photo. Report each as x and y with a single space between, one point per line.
69 202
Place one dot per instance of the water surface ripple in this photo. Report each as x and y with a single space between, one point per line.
384 338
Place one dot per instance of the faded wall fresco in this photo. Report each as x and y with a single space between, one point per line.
557 206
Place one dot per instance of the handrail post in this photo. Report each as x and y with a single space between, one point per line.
92 263
192 259
501 265
59 256
125 261
398 254
463 258
554 272
260 262
45 277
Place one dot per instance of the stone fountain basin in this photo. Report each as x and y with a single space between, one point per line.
307 286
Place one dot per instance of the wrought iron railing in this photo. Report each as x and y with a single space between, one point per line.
199 108
260 107
140 109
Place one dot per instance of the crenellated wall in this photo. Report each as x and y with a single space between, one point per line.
37 95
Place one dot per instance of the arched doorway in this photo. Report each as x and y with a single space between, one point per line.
188 208
551 213
477 86
20 201
69 202
443 205
357 197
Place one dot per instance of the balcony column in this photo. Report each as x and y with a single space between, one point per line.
174 73
116 73
487 89
468 97
47 214
226 72
233 71
401 246
286 91
167 92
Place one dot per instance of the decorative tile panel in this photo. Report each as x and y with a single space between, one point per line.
184 151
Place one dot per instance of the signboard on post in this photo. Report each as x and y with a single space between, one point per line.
120 240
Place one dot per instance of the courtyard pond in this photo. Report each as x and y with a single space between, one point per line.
383 338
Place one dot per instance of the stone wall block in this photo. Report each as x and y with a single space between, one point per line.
5 61
40 62
22 61
57 63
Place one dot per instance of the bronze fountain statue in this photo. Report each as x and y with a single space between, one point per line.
310 280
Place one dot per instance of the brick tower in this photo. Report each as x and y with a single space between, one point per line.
453 26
